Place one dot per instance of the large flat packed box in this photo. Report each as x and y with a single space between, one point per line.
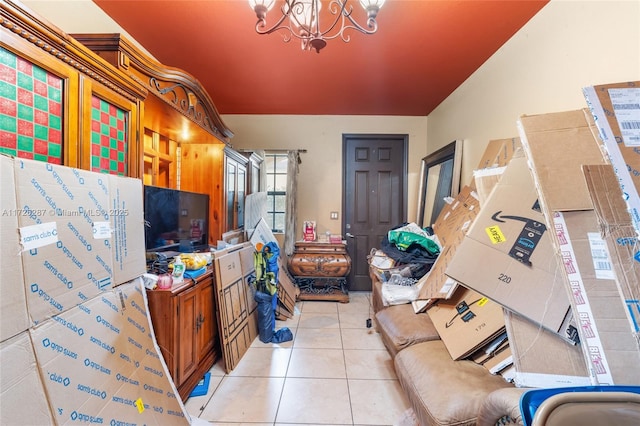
236 308
617 116
450 227
23 400
609 342
617 229
99 364
507 254
466 321
14 318
81 233
541 358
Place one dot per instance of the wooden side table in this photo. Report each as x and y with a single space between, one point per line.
320 270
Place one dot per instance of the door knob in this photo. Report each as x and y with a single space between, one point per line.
350 235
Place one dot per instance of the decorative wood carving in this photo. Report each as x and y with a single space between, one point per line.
21 21
174 86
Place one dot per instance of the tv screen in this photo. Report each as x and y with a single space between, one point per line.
175 220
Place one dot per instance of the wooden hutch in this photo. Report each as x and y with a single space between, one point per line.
104 105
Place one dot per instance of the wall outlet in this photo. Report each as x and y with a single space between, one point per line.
334 216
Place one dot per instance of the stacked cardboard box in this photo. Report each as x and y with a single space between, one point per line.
76 338
508 257
469 324
559 146
617 118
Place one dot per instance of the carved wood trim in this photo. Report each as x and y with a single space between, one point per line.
22 22
176 87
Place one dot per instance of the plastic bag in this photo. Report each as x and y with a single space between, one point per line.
393 294
404 236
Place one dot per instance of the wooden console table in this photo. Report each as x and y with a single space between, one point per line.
320 270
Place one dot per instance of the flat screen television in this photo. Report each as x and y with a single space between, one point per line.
175 220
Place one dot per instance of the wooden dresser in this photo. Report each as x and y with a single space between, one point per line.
186 329
320 270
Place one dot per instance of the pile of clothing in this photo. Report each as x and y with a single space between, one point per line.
406 254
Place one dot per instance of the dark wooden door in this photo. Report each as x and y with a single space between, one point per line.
374 196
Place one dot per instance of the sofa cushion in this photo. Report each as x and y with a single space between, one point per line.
443 391
400 327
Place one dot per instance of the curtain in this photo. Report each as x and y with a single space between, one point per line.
290 224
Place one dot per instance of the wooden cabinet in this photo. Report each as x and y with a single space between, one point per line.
64 105
235 183
254 172
186 329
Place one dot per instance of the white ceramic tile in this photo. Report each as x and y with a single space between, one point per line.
322 363
263 362
361 338
318 338
196 404
315 390
257 343
369 364
245 400
319 320
218 368
319 401
353 319
377 402
319 307
358 302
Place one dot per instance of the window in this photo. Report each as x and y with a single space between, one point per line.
276 168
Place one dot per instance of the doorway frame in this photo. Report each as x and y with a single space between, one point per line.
405 175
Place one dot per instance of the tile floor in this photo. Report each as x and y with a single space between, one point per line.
336 371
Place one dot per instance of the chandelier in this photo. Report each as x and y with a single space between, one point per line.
301 19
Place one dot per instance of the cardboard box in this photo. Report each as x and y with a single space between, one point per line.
500 361
98 362
13 303
620 236
486 180
541 358
126 215
507 255
605 333
101 364
22 396
492 347
466 321
616 114
498 153
556 146
67 256
84 234
451 225
609 345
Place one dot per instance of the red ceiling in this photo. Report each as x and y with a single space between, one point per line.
423 51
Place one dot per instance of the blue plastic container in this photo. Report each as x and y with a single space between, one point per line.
202 387
532 399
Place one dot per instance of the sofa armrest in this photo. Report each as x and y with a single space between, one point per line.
501 407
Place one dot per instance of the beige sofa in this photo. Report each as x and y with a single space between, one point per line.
441 391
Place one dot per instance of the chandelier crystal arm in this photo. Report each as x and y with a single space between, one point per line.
304 20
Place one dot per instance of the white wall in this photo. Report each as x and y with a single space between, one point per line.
568 45
320 178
